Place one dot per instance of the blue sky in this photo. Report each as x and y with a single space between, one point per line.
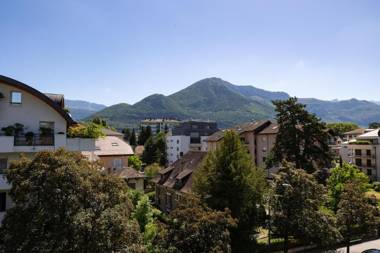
121 51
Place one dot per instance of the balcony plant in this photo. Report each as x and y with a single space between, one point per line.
29 138
13 130
85 130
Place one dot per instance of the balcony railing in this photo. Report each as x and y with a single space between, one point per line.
35 140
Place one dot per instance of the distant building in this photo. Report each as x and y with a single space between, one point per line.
175 181
364 152
188 135
159 125
351 135
133 178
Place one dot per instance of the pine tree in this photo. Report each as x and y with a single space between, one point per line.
132 138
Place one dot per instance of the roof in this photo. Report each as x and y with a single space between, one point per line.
358 131
109 132
179 175
111 146
129 173
271 129
253 126
370 135
52 103
57 98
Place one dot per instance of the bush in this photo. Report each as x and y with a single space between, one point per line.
134 162
376 186
88 130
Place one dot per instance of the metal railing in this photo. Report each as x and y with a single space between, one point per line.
35 140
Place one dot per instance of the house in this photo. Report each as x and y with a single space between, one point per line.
112 152
31 121
250 134
188 135
159 125
175 181
364 152
133 178
351 135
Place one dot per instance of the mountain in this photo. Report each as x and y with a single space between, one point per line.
82 109
229 104
358 111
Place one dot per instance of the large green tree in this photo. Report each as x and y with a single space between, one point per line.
145 134
195 228
228 179
297 209
340 128
62 203
356 217
339 177
302 137
374 125
132 138
155 150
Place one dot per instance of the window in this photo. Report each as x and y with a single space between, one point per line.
16 98
46 128
117 163
369 172
3 164
368 152
264 159
177 141
115 144
358 152
177 148
358 162
194 126
181 154
3 201
168 201
369 163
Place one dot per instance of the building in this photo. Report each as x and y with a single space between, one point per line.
31 121
159 125
112 152
250 136
175 181
133 178
188 135
352 135
364 152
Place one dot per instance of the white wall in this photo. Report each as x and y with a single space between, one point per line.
176 145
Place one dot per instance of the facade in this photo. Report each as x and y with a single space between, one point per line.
188 135
175 181
364 152
159 125
31 121
133 178
258 145
112 152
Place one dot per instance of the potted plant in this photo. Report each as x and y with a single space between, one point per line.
9 130
29 138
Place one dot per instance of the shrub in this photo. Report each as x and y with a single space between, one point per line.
88 130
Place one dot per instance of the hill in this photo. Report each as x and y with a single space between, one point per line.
80 109
229 104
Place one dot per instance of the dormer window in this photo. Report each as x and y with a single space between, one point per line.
16 98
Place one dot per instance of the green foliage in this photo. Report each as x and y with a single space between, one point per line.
340 128
302 138
132 138
339 177
152 170
134 162
155 150
230 167
145 134
193 227
13 130
374 125
296 209
62 203
356 217
85 130
376 186
100 121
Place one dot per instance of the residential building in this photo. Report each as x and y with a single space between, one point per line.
112 152
133 178
159 125
250 134
175 182
352 135
188 135
30 122
364 152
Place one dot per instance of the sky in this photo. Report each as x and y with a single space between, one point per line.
112 51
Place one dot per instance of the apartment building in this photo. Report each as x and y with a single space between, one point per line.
188 135
159 125
258 145
352 135
364 152
31 121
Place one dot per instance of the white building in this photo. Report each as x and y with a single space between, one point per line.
189 135
364 152
31 121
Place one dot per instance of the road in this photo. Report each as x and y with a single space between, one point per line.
359 248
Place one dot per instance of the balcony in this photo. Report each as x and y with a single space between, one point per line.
34 140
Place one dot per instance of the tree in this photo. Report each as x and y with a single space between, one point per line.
62 203
145 134
302 138
297 209
100 121
356 217
340 128
152 170
155 150
135 162
228 179
132 138
193 227
374 125
127 134
339 177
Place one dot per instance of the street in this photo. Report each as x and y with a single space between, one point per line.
358 248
